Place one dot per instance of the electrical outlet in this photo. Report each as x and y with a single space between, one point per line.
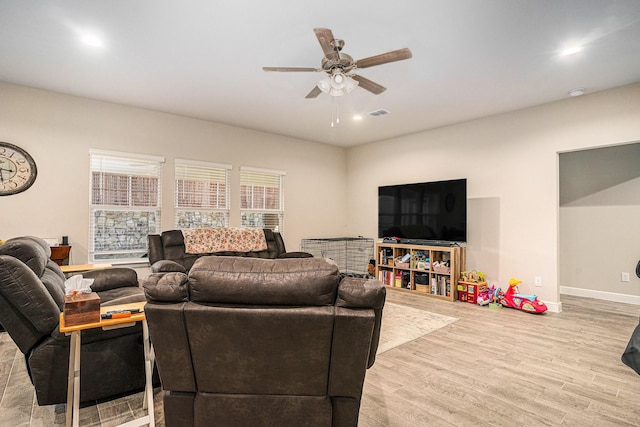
538 280
624 277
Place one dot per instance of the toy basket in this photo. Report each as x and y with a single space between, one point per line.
422 288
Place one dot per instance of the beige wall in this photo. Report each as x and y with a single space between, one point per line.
511 164
510 161
59 130
600 239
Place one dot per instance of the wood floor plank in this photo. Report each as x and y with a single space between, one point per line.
489 368
507 367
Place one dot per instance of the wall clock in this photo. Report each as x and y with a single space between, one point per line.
17 169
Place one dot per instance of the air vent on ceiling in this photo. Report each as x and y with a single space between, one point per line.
380 112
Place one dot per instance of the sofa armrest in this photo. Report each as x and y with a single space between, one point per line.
167 266
166 287
112 278
295 255
356 292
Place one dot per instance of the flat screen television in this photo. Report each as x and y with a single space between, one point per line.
429 212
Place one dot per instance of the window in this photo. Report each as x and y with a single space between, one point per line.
261 198
202 194
125 196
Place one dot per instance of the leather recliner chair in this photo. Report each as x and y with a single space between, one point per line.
249 341
167 251
31 300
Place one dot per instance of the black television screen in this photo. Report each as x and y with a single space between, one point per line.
430 211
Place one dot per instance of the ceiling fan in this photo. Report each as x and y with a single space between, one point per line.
340 66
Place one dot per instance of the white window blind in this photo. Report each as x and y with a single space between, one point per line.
202 194
125 204
261 198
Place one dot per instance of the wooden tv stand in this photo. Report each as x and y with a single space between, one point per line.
417 275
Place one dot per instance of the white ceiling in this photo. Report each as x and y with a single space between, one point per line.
204 59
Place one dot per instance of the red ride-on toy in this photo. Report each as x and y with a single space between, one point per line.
513 299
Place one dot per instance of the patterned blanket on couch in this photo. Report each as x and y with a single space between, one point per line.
229 239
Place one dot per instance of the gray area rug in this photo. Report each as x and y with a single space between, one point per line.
401 324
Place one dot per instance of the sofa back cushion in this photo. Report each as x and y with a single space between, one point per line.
291 281
27 251
170 246
260 350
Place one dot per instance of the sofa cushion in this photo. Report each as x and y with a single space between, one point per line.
112 278
166 266
235 280
124 295
55 286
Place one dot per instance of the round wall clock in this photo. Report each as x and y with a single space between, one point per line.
17 169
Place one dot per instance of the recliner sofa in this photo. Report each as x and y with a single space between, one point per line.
249 341
31 300
167 251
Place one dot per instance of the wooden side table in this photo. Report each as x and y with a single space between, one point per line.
60 254
80 268
73 385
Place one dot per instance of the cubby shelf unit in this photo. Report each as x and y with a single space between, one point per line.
419 274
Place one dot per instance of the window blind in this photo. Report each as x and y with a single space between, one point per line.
261 198
125 204
201 194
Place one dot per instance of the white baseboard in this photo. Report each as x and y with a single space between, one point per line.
553 307
607 296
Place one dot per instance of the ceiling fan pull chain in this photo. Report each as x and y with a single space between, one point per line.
335 112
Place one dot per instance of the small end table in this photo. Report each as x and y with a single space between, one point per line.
80 268
73 385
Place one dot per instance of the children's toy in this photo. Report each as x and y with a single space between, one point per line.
484 297
472 287
513 299
472 276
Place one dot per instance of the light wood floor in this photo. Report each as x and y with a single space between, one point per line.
489 368
509 368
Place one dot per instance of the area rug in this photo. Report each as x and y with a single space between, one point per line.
401 324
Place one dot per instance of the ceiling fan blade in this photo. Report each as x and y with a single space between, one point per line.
314 93
325 37
383 58
291 69
369 85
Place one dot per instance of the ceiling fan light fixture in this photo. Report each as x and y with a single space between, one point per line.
337 84
325 85
338 81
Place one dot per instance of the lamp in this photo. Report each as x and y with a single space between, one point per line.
337 84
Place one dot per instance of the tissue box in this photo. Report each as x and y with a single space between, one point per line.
81 308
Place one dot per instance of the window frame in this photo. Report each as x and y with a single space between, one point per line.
149 209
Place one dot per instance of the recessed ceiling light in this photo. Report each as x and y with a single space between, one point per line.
357 117
577 91
571 50
91 39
